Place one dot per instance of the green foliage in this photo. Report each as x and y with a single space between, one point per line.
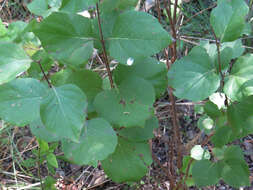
97 141
97 123
194 76
13 61
63 111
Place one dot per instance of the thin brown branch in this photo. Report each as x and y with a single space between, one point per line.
158 9
175 12
199 13
217 42
106 61
44 74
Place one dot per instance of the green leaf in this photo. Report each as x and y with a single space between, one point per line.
242 71
63 111
228 19
88 81
212 110
67 37
13 61
51 159
117 5
198 153
74 6
193 77
205 173
225 55
142 37
221 136
107 23
41 8
233 152
45 61
236 173
129 107
97 141
49 183
40 131
138 134
236 46
43 146
246 89
147 68
20 100
239 113
129 162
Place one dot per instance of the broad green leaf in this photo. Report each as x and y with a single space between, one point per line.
61 77
205 173
193 77
117 5
198 153
221 136
129 107
233 152
242 71
138 134
246 89
219 152
20 100
88 81
147 68
107 23
129 162
212 110
67 37
45 61
41 8
63 111
137 89
43 145
97 141
13 61
236 46
136 34
236 173
239 114
51 159
49 183
225 55
74 6
228 19
39 130
206 123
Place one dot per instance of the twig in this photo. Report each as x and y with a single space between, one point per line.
104 49
39 173
219 58
44 74
158 10
29 186
200 12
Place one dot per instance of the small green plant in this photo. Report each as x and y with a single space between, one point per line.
113 124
